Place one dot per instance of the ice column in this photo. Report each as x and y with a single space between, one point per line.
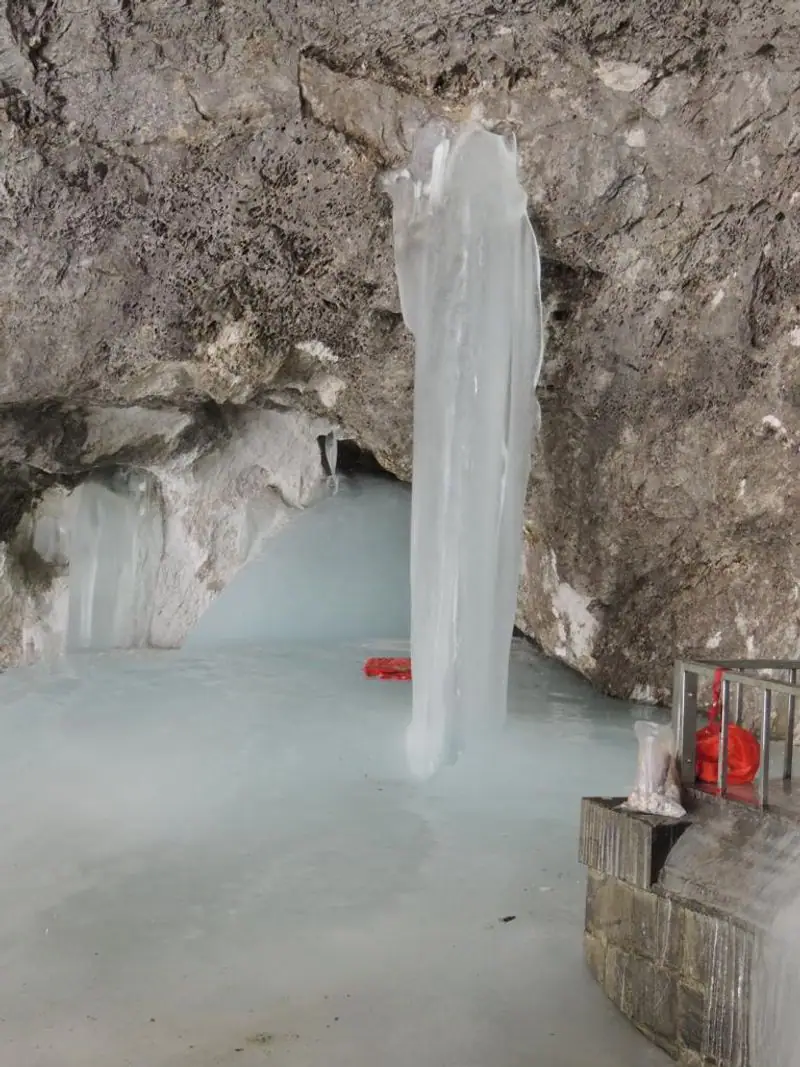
468 270
115 546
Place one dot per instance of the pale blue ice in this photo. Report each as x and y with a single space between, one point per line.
338 572
216 857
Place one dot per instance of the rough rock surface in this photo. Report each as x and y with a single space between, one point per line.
191 218
215 508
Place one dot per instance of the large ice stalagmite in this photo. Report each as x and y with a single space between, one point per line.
115 546
468 270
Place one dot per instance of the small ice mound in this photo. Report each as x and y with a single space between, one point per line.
338 572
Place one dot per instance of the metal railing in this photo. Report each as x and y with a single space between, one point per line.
738 677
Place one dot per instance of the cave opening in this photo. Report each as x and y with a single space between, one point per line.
352 459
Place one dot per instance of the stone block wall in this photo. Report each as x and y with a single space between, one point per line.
678 970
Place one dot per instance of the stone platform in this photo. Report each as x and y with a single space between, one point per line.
673 912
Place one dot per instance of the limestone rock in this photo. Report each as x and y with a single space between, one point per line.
192 222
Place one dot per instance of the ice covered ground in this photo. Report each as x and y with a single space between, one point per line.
220 861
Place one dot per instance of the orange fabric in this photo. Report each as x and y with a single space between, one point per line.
744 751
397 669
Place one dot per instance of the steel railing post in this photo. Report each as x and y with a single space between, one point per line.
766 727
722 764
789 750
684 721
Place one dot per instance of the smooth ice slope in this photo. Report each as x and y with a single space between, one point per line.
775 984
220 862
468 270
775 976
338 571
115 539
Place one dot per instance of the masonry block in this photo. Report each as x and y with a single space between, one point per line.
674 955
643 991
630 846
687 1058
717 952
691 1018
609 907
594 951
656 929
714 1027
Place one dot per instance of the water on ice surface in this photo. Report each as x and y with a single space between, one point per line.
338 571
221 862
468 271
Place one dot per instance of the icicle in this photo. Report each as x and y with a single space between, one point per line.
468 273
332 459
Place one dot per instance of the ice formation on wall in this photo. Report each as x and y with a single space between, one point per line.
50 537
468 270
115 546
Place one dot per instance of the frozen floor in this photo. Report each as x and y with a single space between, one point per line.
220 862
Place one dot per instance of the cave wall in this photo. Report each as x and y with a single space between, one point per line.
172 536
192 222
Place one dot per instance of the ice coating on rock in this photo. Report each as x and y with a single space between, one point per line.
50 530
468 271
115 546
